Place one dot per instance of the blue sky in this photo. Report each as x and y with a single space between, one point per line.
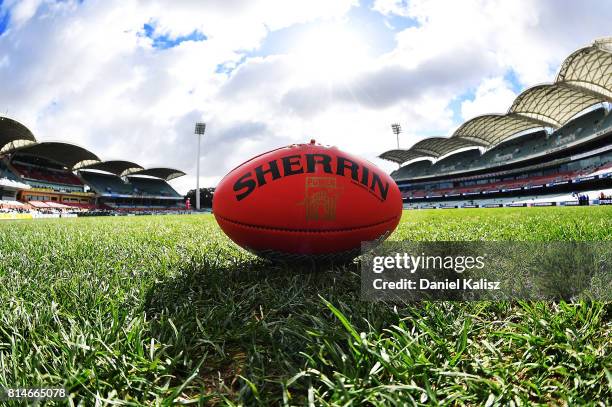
4 19
128 78
165 41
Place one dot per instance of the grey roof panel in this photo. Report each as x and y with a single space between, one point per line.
590 68
116 167
401 156
440 146
553 104
14 135
492 129
163 173
71 156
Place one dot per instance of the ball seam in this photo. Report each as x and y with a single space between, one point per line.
305 230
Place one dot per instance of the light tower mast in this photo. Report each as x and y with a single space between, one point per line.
200 129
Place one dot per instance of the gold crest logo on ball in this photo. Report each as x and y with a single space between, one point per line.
320 198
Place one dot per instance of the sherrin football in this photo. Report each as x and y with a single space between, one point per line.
306 201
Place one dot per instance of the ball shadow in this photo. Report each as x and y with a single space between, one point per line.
244 318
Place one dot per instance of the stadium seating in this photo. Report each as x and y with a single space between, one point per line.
47 175
540 142
606 122
488 183
152 186
584 126
4 203
412 169
40 174
89 206
127 196
559 199
7 174
106 183
604 169
514 150
454 163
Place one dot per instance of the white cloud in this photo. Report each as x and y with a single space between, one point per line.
527 36
494 95
389 7
22 10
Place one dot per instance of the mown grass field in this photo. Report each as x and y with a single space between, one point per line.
160 310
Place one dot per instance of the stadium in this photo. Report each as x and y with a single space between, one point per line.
168 310
552 147
53 179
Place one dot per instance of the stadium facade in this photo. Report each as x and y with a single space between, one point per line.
59 175
552 145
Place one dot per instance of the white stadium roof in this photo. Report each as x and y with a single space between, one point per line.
554 104
584 80
16 139
590 68
491 129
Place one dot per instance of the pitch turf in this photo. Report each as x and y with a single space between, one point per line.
159 310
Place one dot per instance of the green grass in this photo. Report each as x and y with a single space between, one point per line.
161 310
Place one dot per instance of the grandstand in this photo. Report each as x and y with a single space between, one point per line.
141 190
553 145
54 176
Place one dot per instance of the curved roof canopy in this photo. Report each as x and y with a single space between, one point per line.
492 129
554 104
584 80
17 138
440 146
401 156
69 155
590 68
14 135
163 173
116 167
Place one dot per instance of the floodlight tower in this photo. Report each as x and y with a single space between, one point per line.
397 129
200 128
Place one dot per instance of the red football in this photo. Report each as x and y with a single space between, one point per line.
306 199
